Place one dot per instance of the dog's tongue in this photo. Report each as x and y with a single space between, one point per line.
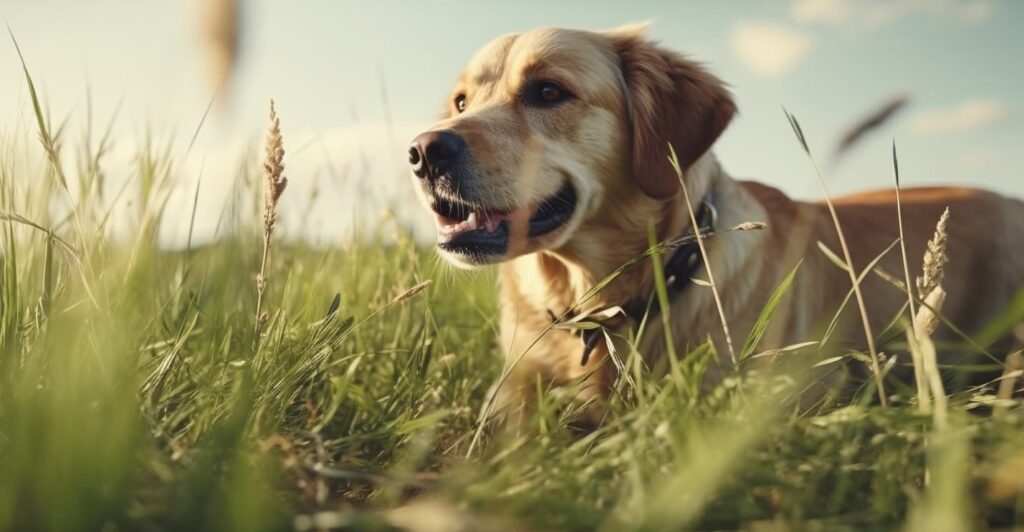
477 221
448 229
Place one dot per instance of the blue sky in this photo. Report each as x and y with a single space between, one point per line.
355 80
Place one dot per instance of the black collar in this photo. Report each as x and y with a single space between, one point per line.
680 268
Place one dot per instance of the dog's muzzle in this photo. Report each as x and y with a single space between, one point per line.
469 224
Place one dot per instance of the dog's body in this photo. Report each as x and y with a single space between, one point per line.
748 266
553 161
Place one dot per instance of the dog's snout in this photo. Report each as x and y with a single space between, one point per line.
433 153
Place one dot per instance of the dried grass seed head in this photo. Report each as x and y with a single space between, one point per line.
273 168
935 259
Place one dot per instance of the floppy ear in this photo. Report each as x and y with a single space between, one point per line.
670 100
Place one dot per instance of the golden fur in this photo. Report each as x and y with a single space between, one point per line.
632 98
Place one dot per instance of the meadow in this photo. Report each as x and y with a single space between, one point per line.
258 383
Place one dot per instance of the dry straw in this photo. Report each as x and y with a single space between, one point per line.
274 185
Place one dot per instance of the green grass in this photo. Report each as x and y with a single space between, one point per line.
133 395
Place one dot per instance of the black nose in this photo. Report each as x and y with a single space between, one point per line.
435 152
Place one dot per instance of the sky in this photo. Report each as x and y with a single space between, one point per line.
354 81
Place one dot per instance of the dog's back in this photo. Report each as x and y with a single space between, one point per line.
984 275
986 262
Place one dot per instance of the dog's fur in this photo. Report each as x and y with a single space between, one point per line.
610 142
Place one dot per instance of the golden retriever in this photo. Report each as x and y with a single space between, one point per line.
552 160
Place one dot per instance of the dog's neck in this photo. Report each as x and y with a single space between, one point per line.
557 280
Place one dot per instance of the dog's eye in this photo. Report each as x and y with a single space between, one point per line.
550 93
546 93
460 103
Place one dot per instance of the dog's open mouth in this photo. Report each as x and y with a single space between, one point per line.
474 230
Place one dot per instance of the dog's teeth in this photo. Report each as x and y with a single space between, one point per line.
471 222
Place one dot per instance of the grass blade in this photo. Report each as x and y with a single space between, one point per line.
869 336
765 318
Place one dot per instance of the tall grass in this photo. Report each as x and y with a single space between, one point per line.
869 335
133 395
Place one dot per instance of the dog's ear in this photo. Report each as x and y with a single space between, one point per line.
670 100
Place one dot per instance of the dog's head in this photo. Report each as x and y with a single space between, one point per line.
546 129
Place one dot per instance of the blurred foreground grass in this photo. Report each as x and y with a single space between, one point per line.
135 395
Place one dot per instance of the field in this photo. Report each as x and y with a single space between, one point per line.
140 390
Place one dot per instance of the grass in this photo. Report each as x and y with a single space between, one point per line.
138 392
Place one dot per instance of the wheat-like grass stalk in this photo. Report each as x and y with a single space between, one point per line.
929 284
930 387
274 185
868 334
934 259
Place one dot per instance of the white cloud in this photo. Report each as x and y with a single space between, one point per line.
970 115
769 49
877 13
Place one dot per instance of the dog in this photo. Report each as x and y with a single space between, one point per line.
552 159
